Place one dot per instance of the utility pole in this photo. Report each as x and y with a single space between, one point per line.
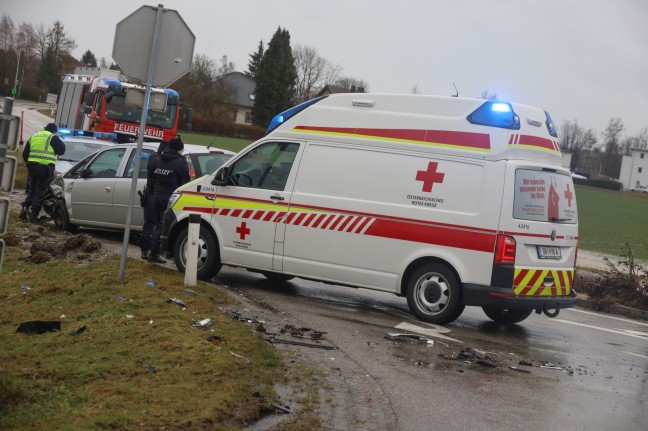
14 89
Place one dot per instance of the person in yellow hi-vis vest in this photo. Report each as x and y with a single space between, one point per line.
40 156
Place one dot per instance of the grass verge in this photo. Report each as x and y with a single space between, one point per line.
139 363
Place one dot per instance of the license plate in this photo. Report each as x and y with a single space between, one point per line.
546 252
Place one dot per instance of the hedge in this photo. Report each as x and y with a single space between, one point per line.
601 184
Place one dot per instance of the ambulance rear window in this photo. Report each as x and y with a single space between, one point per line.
544 195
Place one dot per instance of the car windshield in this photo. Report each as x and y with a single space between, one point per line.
75 151
209 162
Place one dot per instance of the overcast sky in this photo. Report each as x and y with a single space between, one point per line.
578 59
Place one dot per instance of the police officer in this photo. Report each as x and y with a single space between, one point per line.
170 171
40 156
146 200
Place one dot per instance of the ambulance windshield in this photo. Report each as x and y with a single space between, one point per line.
544 196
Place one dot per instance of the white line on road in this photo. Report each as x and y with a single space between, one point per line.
605 315
425 331
636 354
613 331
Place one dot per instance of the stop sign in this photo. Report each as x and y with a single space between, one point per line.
134 38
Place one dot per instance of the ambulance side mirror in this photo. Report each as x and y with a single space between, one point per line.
221 176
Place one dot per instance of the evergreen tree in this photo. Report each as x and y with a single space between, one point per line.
89 59
255 59
48 74
276 80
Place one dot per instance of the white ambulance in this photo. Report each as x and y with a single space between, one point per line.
446 201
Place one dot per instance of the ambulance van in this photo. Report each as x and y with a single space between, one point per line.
446 201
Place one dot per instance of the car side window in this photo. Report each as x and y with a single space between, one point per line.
144 158
106 164
265 167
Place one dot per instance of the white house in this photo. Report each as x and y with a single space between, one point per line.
634 168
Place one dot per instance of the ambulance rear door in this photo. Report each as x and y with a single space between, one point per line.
539 213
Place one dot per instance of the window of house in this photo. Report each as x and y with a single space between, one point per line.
641 155
640 170
248 117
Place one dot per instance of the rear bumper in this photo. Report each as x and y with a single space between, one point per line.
499 297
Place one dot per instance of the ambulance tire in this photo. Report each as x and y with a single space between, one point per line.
434 294
506 316
208 254
61 217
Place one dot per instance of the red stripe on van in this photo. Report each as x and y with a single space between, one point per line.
309 219
363 224
299 218
445 137
346 222
319 220
247 213
433 235
328 220
535 141
269 216
338 219
352 225
258 215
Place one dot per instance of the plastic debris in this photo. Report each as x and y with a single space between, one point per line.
78 331
300 343
24 287
284 409
151 369
520 370
215 339
150 283
130 316
180 302
39 327
204 323
247 361
121 298
404 335
525 363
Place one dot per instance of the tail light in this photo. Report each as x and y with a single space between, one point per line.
505 250
190 166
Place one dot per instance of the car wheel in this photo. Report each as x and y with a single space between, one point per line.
274 276
61 217
208 255
434 294
506 316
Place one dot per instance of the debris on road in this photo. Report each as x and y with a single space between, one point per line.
180 302
405 336
299 343
520 370
78 331
204 323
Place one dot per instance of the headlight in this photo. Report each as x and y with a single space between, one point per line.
173 199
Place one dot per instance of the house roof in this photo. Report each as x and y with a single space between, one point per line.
243 85
334 89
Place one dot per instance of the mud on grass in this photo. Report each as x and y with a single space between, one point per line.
138 363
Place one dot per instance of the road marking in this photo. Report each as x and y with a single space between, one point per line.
425 331
613 331
605 315
636 354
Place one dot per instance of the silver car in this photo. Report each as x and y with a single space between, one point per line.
78 148
96 191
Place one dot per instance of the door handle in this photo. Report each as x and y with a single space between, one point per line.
277 198
210 198
107 189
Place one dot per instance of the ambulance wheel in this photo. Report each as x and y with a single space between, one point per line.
61 217
506 316
208 255
434 295
274 276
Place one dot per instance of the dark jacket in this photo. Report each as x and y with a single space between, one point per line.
169 172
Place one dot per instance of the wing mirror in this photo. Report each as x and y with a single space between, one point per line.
221 176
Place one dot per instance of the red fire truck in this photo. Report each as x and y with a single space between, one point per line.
95 99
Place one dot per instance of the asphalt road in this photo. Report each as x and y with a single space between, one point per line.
598 378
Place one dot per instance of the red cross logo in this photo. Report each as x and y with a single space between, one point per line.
243 230
430 176
569 196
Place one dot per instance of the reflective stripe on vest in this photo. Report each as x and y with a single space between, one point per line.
40 150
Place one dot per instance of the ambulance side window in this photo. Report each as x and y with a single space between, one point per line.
265 167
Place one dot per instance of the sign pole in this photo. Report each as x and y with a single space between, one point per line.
140 140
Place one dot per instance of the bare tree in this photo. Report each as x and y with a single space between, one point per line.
7 46
577 141
313 72
226 66
353 84
612 154
637 142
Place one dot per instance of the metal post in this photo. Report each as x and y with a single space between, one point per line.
140 140
4 131
191 252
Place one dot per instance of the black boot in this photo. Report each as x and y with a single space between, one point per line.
145 254
23 213
154 257
33 218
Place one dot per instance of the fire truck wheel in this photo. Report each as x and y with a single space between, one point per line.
506 316
208 255
61 217
434 295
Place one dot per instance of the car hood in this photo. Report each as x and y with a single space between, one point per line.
62 167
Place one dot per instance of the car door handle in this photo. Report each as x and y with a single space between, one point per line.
277 198
210 198
107 189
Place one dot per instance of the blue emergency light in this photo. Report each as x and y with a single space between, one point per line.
286 115
495 114
86 133
551 127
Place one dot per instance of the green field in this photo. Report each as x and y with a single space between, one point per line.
609 219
